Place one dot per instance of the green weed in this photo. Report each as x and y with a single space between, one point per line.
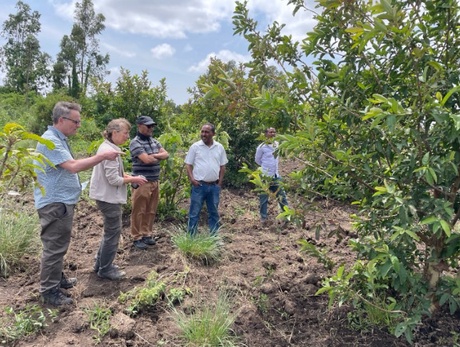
143 297
29 320
99 320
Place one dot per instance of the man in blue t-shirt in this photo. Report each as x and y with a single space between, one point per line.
61 192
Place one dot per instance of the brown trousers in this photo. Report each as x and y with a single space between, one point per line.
144 208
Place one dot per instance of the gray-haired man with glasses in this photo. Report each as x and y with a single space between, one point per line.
56 206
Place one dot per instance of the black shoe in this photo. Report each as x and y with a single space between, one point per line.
148 240
67 283
139 244
55 297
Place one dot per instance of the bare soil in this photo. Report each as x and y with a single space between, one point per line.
272 284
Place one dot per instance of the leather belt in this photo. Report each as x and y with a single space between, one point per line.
209 183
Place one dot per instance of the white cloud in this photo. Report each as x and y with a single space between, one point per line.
165 19
163 51
224 55
119 51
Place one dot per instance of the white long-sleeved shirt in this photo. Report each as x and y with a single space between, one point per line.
266 159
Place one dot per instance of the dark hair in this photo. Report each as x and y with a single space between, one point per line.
213 128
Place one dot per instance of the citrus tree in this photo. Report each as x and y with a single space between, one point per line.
380 127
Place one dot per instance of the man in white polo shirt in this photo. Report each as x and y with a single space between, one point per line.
205 163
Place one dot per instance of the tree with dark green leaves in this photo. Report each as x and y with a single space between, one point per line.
378 126
225 95
25 65
80 59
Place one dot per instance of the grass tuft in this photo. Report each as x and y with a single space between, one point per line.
208 326
205 247
18 236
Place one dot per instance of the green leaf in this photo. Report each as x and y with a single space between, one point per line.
446 227
429 220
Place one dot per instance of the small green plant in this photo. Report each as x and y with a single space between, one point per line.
175 296
262 303
99 320
140 298
29 320
200 246
208 325
18 236
321 255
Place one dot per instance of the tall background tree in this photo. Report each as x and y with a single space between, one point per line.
378 126
25 65
80 59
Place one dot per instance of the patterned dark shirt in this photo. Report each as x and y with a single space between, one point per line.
143 144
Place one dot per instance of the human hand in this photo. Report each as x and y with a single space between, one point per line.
140 180
110 155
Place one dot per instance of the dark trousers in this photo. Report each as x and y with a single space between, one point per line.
56 227
112 231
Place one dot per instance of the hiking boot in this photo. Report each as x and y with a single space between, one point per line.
148 240
96 267
139 244
55 297
113 274
67 283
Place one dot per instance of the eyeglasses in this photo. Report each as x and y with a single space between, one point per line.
150 126
76 122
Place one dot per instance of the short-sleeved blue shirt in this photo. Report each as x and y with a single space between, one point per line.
60 185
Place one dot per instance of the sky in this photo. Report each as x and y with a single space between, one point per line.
171 39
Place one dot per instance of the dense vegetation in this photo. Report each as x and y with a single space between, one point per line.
374 118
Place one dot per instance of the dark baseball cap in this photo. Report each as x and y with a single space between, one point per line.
146 120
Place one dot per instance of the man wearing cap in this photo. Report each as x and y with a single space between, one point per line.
146 153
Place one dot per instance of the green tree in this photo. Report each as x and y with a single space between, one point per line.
223 96
25 65
380 127
80 59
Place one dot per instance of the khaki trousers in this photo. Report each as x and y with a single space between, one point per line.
144 208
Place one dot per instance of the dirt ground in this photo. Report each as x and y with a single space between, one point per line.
272 284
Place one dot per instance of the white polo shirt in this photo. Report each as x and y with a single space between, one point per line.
206 161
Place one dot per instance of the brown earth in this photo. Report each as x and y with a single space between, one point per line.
272 284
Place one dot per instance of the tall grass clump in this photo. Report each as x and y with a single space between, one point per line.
18 236
208 326
203 247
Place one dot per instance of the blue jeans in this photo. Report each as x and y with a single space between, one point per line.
209 193
278 190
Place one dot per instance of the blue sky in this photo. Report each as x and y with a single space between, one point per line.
172 39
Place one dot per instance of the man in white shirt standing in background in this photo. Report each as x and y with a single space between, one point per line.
269 162
205 163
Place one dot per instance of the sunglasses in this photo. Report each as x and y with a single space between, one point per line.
150 126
